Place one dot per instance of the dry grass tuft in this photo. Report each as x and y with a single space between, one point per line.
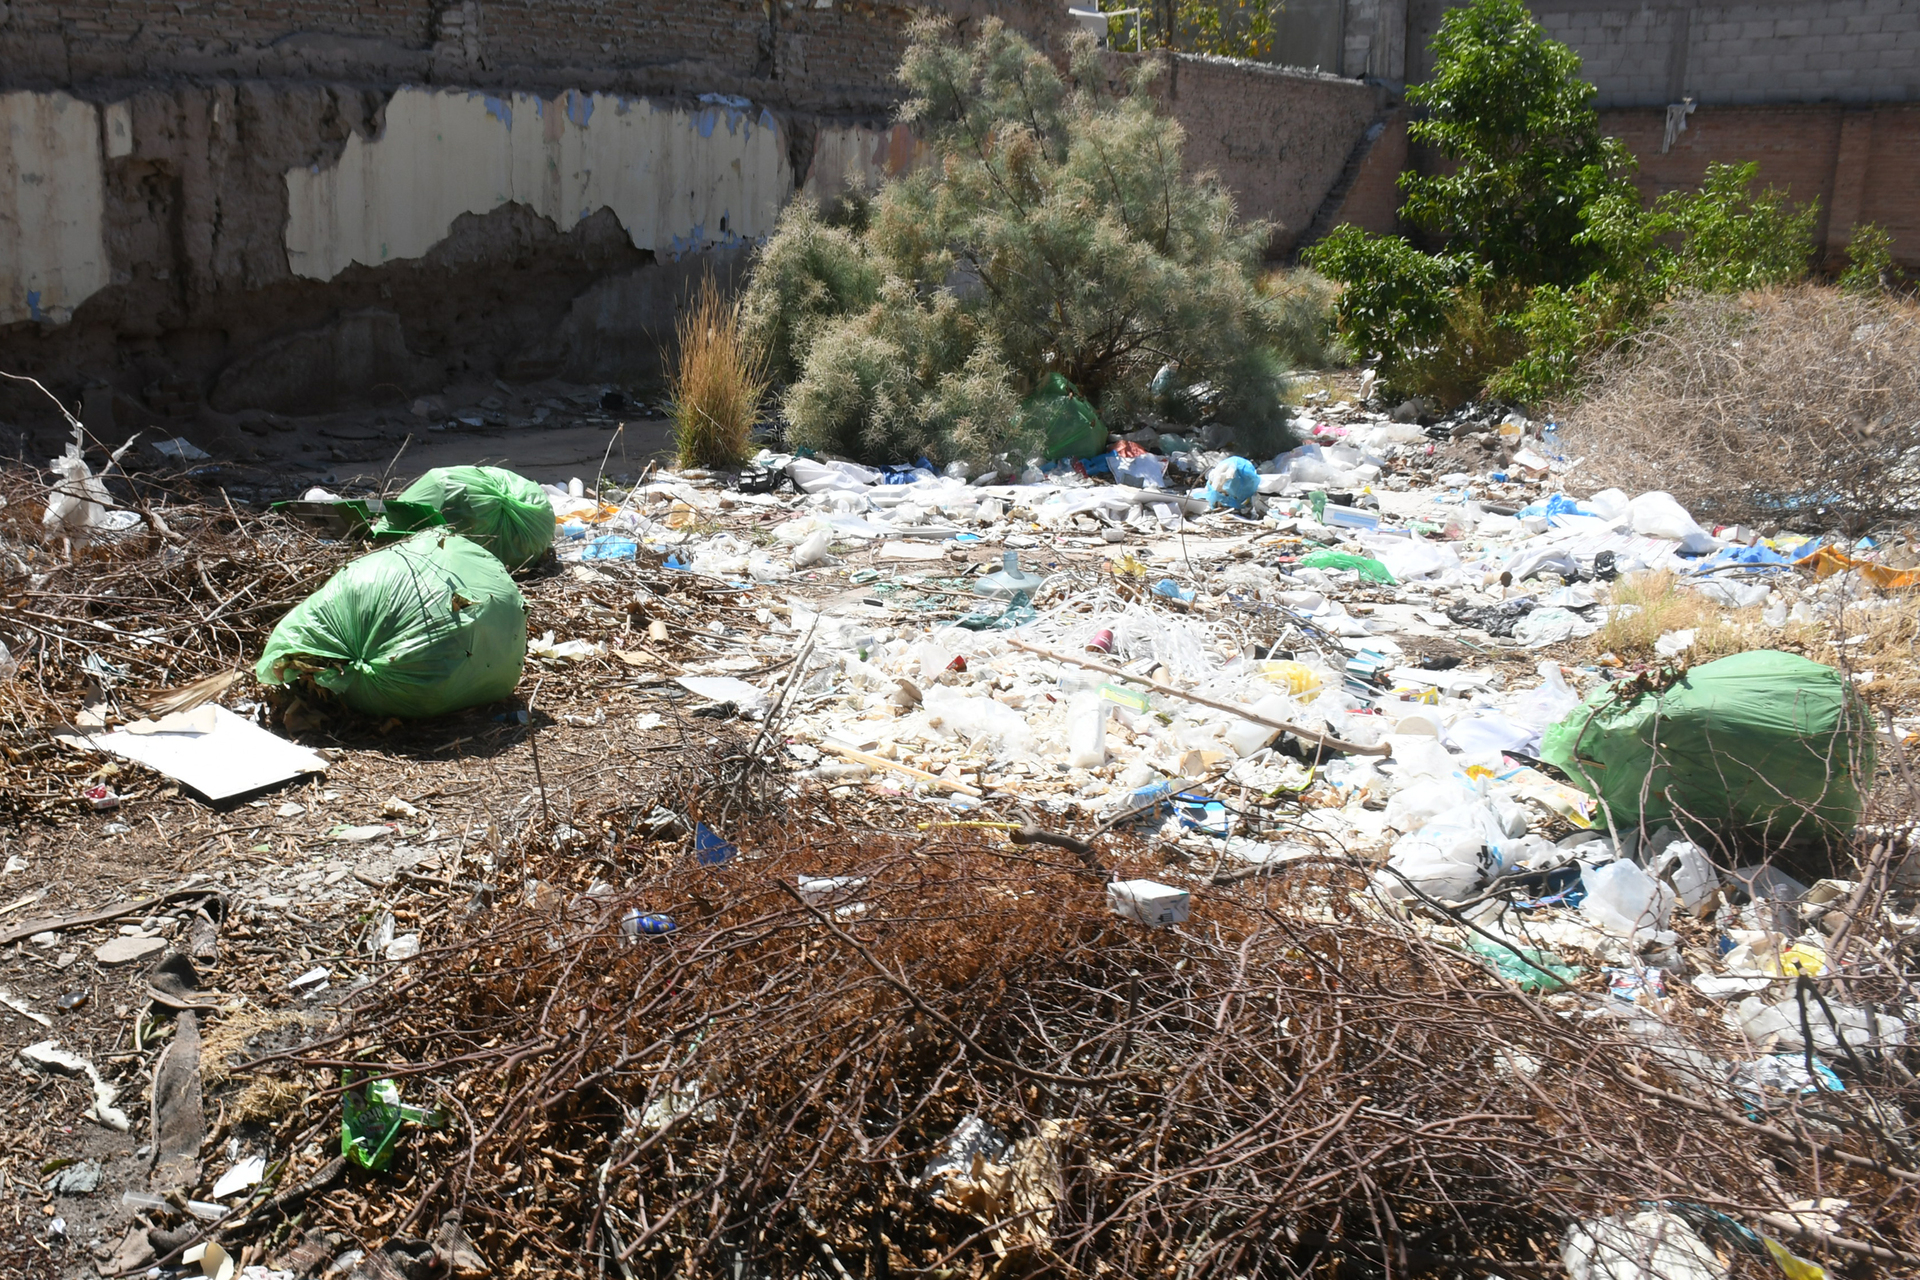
1647 606
266 1098
227 1038
717 385
1791 407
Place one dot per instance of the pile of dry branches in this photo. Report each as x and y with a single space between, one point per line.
192 592
1291 1084
1798 408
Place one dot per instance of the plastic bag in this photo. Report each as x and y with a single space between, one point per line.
501 510
1657 515
1370 569
417 629
1765 741
371 1120
1625 900
1067 423
1231 482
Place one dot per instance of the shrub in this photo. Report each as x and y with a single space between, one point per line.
717 384
1870 266
1054 231
1793 407
1303 320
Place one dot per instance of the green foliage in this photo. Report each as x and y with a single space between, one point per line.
1396 298
1732 239
1870 266
1548 253
1055 231
1303 301
1508 111
1225 28
807 273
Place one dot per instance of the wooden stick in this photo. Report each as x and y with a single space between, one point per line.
1245 713
881 762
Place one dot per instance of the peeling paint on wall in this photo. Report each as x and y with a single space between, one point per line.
679 180
53 252
859 157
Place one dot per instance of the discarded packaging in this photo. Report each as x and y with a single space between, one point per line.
1149 902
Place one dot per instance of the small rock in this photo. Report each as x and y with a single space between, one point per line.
128 950
66 958
44 939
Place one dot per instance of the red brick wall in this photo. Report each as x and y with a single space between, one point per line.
1862 163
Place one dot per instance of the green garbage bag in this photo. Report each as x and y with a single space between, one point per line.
1067 424
501 510
1765 742
417 629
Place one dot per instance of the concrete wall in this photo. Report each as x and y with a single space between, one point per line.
1651 52
196 194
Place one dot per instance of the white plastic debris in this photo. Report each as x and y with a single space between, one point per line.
1149 902
1624 900
1650 1245
49 1056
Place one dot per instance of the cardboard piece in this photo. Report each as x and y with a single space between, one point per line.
235 757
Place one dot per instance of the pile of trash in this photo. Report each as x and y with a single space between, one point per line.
1252 868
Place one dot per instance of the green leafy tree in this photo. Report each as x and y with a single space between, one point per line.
1546 250
1054 232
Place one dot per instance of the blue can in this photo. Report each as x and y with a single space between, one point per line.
637 923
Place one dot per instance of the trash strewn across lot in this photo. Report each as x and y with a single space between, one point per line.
1366 861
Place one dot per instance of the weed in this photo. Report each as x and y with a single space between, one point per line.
717 385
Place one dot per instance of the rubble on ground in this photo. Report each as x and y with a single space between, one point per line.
1165 862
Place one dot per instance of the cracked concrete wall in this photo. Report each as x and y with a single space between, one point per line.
679 180
192 192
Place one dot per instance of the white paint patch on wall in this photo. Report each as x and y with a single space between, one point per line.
53 252
677 179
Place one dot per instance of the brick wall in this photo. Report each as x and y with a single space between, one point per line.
1862 164
1278 138
835 55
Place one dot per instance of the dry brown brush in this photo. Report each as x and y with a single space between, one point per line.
1286 1086
1797 408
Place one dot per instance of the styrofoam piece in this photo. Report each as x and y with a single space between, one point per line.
1149 902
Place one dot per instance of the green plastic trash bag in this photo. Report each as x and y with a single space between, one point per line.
1067 424
1367 567
417 629
504 512
1765 742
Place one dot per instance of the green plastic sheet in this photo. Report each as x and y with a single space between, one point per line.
417 629
1068 425
1766 742
501 510
1366 566
371 1120
1534 970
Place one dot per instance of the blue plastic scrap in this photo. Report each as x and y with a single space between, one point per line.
708 848
1231 483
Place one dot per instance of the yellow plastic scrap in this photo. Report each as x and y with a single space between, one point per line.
1794 1268
1828 561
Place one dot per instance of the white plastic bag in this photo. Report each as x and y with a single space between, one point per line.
1623 899
1657 515
1650 1245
